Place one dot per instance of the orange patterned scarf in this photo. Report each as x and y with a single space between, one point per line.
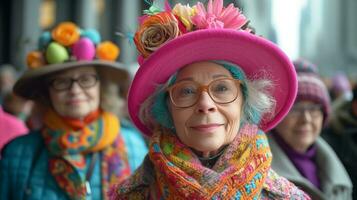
69 141
238 174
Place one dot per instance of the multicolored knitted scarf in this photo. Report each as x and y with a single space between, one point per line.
68 142
239 173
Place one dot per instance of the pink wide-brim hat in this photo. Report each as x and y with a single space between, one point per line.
255 55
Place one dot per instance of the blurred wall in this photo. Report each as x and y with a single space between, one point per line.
328 36
327 33
22 22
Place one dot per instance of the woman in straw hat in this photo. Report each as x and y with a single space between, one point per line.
203 95
79 151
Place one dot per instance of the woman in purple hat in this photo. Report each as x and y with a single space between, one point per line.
299 153
206 91
80 149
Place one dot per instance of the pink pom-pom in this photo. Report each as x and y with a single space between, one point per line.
83 49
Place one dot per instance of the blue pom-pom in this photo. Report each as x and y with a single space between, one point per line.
92 34
44 40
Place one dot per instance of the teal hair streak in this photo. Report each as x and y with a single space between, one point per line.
159 109
252 115
161 114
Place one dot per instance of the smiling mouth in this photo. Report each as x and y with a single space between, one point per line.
206 127
75 101
303 131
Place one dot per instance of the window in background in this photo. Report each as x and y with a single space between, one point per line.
286 20
351 28
47 14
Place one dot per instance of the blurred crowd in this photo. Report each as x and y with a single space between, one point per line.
19 116
314 146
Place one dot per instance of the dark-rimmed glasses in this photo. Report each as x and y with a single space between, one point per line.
85 81
314 110
185 94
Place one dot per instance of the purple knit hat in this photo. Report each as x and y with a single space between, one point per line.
340 83
311 87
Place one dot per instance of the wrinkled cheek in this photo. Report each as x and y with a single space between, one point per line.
181 128
95 102
231 130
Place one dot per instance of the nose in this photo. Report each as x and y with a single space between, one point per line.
205 104
306 115
75 87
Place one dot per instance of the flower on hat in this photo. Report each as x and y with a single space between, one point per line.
185 13
67 42
155 30
107 51
66 33
216 16
35 59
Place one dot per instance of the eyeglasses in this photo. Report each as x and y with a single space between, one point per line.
84 81
314 110
186 93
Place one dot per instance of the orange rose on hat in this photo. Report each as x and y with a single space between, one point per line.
66 33
156 30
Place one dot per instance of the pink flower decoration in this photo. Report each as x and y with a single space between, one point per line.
217 16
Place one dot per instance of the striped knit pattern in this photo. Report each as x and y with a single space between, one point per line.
311 87
242 172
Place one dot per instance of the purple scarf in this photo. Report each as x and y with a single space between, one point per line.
304 162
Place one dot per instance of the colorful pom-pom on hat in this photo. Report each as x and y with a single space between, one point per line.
65 47
67 42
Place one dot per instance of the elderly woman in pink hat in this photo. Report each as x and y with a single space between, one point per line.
299 153
80 150
206 91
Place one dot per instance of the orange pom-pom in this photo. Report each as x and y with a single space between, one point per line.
35 59
107 51
66 33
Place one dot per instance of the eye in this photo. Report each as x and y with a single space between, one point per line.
221 87
186 91
61 82
87 80
315 108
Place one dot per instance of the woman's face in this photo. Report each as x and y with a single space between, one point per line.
69 98
302 125
206 126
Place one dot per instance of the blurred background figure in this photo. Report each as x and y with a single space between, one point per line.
299 153
79 150
342 136
17 106
7 79
116 102
34 120
14 109
340 89
10 128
